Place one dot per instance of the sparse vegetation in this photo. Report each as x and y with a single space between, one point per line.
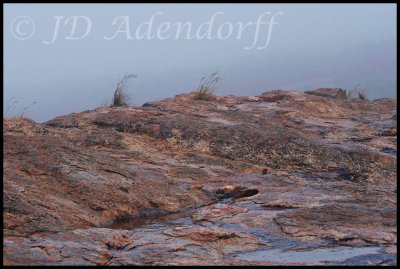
362 94
10 107
121 95
207 87
357 91
23 113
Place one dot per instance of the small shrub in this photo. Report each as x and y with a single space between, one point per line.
207 87
23 113
357 91
10 107
121 96
362 94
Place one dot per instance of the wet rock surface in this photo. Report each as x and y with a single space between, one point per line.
280 178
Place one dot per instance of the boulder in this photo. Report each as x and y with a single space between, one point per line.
335 93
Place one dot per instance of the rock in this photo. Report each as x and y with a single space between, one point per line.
273 96
335 93
392 132
217 211
228 241
254 99
185 182
235 192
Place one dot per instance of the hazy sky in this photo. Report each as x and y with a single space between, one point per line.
310 46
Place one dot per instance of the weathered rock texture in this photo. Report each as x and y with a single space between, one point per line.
336 93
185 182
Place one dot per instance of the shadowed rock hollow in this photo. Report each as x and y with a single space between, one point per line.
186 182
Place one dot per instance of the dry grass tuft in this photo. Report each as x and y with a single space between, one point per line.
121 95
357 91
207 87
10 107
362 95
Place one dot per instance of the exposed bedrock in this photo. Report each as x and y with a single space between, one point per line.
190 182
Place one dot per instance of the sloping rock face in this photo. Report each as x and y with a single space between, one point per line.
185 182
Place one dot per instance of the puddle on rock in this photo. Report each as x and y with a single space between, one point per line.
159 223
389 151
316 255
283 250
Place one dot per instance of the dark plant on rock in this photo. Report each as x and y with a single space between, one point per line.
357 91
207 87
10 107
121 96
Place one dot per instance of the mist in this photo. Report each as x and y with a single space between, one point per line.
310 46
